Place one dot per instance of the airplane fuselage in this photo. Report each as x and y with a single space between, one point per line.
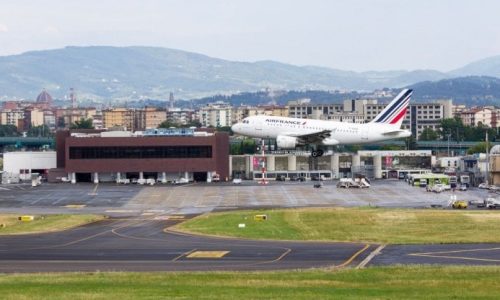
341 132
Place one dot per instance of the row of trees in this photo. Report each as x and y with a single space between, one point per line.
455 129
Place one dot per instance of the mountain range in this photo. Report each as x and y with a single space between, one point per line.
103 73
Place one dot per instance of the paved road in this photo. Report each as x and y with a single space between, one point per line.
143 244
139 244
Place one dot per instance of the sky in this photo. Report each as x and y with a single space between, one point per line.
350 35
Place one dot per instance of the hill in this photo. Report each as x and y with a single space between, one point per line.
148 72
470 90
133 73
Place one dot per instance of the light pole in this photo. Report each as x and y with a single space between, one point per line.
449 135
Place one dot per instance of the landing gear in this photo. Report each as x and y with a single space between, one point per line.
317 153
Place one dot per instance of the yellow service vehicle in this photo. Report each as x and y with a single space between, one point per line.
458 204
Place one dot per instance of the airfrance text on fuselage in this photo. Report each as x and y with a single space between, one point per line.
286 122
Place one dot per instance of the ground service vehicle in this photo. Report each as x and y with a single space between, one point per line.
492 203
459 204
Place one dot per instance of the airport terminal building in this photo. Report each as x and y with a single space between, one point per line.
160 155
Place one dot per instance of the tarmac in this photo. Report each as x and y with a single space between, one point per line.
136 236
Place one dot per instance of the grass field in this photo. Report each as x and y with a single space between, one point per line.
414 282
45 223
395 226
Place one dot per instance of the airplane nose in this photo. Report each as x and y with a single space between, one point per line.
235 128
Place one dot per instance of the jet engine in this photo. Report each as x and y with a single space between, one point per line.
287 142
330 142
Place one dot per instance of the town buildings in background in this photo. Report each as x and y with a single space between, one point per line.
419 116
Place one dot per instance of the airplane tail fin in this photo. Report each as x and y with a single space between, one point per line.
395 112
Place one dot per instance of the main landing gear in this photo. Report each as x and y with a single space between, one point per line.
317 153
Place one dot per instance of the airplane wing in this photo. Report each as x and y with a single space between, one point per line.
394 133
313 138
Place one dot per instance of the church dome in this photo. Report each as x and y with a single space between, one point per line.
44 97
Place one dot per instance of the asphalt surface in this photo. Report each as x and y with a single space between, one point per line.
143 244
146 244
134 238
126 200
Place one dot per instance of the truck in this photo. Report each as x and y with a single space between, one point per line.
453 181
423 182
465 179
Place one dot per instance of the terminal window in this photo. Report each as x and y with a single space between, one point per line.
140 152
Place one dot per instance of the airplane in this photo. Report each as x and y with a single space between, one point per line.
293 132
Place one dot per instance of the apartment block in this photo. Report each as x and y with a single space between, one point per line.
479 115
215 115
118 117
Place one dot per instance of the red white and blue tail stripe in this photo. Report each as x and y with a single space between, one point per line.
395 112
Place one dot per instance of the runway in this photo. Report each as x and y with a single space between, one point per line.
144 244
140 244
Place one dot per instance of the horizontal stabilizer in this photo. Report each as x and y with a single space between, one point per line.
402 133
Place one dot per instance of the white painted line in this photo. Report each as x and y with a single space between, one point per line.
370 257
121 211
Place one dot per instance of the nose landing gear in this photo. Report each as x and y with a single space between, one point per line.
317 153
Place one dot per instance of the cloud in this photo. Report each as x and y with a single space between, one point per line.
3 28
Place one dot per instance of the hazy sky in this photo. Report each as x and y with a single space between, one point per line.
353 35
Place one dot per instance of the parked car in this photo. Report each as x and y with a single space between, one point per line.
494 188
181 180
237 181
483 185
280 178
477 202
462 187
297 178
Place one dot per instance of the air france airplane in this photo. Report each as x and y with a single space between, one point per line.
292 132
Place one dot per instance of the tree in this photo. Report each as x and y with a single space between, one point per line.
411 143
194 123
8 130
225 129
428 134
83 124
168 124
453 127
478 148
390 147
40 131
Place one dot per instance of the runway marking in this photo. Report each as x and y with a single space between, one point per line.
184 254
282 255
175 217
436 254
94 191
350 259
370 257
75 206
207 254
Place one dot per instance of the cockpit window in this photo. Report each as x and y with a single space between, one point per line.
245 121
